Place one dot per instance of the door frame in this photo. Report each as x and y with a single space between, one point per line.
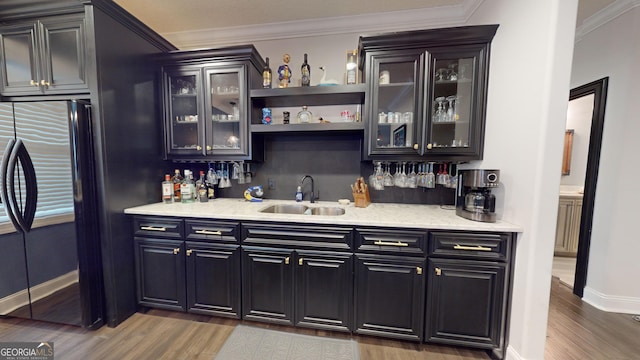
599 89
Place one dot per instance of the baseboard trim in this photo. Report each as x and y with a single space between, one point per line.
611 303
512 354
21 298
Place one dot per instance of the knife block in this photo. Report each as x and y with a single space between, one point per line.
361 200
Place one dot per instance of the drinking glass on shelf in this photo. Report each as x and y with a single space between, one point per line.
440 113
453 73
451 113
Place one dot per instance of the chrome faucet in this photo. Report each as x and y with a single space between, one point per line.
313 195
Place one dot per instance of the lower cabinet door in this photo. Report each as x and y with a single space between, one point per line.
267 285
213 279
465 302
160 273
324 290
389 296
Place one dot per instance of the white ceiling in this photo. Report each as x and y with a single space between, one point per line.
171 16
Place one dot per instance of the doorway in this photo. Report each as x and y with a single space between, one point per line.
597 91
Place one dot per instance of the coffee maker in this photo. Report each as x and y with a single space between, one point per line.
474 200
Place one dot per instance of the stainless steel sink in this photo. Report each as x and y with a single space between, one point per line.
331 211
303 210
285 209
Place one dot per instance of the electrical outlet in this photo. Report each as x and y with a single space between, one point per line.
271 185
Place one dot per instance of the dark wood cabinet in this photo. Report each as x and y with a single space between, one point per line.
160 273
267 281
206 107
389 296
213 279
200 275
304 278
465 302
468 290
427 92
43 56
324 290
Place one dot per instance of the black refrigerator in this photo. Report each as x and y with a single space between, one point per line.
50 263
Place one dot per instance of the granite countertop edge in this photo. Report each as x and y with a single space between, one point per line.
376 214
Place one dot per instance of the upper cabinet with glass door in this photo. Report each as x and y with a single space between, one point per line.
449 95
205 102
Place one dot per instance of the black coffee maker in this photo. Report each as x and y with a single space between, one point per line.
474 200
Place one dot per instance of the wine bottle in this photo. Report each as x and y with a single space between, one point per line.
306 72
266 75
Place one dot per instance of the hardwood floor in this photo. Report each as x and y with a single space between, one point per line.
576 331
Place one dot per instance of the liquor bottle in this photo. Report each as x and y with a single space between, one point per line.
167 190
304 116
177 180
306 72
201 188
187 188
352 68
266 75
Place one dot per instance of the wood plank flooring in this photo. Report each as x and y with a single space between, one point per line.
576 331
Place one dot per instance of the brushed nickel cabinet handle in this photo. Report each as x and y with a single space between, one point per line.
471 248
208 232
153 228
390 243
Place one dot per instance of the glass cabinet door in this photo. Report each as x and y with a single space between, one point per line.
19 59
185 131
226 111
395 103
451 103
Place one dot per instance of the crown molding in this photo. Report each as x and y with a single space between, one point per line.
424 18
604 16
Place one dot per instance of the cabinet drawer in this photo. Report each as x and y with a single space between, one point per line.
391 241
489 246
297 235
156 226
212 231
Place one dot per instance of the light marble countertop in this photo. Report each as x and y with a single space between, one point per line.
376 214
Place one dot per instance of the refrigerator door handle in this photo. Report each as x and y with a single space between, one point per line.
4 190
26 216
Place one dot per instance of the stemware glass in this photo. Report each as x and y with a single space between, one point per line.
376 180
451 113
247 175
388 178
241 179
430 177
412 178
211 178
439 115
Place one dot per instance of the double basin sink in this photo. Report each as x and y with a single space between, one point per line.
303 210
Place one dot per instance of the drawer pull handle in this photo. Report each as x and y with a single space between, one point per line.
438 271
207 232
153 228
189 252
389 243
176 251
300 262
418 270
471 248
286 260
